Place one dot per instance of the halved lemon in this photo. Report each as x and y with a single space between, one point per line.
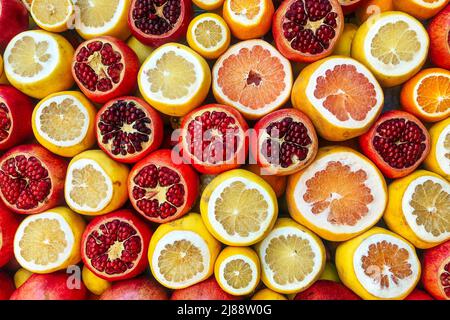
64 123
49 241
95 184
95 18
292 257
438 160
209 35
174 79
38 63
393 45
267 294
378 265
237 270
208 5
182 252
239 208
340 195
52 15
419 209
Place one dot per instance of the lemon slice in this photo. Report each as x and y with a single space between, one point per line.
239 208
52 15
49 241
237 270
209 35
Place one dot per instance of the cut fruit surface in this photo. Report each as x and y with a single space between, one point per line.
421 9
253 77
52 15
438 159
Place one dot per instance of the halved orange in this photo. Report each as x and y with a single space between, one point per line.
427 95
253 77
421 9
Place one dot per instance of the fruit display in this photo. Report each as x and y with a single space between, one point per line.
225 150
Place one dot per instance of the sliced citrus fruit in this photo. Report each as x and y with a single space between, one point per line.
427 95
419 208
393 45
49 241
182 252
340 195
93 283
95 18
95 184
52 15
64 123
237 270
174 79
421 9
267 294
292 257
340 95
208 4
253 77
239 208
438 160
38 63
209 35
378 265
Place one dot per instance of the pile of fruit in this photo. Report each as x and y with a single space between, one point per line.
225 149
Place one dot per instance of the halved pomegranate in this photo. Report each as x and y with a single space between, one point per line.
307 30
284 142
105 68
128 129
397 143
156 22
160 189
214 138
15 117
31 179
349 6
114 246
8 228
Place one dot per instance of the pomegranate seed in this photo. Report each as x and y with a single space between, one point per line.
5 122
156 17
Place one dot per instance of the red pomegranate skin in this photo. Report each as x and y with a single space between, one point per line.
13 20
205 290
8 227
6 286
434 260
327 290
418 295
135 289
439 32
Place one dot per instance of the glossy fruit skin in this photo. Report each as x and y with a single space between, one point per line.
238 158
352 6
8 227
20 108
21 276
132 219
267 294
373 7
175 34
52 286
128 80
431 161
438 31
6 286
432 262
366 145
13 20
206 290
417 10
140 288
418 295
93 283
327 290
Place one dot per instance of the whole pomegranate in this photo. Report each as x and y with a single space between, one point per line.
136 289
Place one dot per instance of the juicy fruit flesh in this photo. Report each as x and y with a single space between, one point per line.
399 142
347 93
42 242
340 191
433 94
24 182
88 187
444 278
156 17
51 11
309 25
125 128
98 66
208 33
238 273
288 143
158 191
5 122
431 207
253 77
180 261
290 258
96 13
114 247
248 9
240 210
28 57
386 263
395 43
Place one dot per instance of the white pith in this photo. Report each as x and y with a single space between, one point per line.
170 238
407 209
217 226
415 95
251 285
441 151
223 31
373 286
242 19
318 103
58 100
80 164
62 257
286 231
374 182
48 66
